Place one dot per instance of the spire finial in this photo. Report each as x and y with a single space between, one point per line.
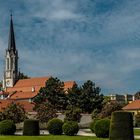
11 13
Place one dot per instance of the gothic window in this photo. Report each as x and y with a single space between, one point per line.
11 63
8 63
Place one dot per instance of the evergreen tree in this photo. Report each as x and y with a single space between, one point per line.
45 113
53 94
14 112
90 98
73 97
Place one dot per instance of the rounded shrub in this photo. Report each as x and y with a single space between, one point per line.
31 127
92 125
121 127
102 128
7 127
70 128
54 126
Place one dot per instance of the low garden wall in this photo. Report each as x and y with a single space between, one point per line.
84 123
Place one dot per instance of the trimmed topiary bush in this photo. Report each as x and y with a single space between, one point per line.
121 127
92 125
70 128
54 126
31 127
7 127
73 115
102 128
137 120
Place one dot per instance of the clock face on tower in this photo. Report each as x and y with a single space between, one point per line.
7 83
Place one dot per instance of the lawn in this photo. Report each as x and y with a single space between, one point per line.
137 132
49 137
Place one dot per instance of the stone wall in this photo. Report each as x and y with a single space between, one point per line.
84 123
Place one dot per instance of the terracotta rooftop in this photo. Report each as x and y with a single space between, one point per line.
26 85
23 88
23 95
27 105
135 105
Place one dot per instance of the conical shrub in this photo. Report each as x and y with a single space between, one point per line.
121 126
31 127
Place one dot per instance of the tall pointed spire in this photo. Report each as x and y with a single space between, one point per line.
11 60
11 42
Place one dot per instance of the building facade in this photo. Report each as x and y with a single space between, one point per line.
20 89
11 60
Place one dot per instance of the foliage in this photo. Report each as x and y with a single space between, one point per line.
95 113
102 128
2 117
109 108
54 126
7 127
121 126
92 124
15 112
31 127
53 94
106 100
73 114
1 86
23 76
73 97
40 98
70 128
45 113
137 120
137 95
90 97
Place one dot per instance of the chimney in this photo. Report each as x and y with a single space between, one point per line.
33 89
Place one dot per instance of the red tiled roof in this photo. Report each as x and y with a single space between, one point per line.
23 95
23 88
135 105
4 93
26 85
27 105
68 84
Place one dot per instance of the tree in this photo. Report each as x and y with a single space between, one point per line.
23 76
73 97
53 94
137 95
73 114
1 86
90 97
45 113
15 112
109 108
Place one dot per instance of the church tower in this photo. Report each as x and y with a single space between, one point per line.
11 60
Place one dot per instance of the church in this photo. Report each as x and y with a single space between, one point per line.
16 89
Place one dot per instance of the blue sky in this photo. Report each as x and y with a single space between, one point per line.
76 40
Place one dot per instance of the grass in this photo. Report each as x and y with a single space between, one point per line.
137 132
49 137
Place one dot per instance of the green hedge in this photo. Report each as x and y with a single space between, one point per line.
54 126
70 128
31 127
121 127
137 120
92 125
7 127
102 128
